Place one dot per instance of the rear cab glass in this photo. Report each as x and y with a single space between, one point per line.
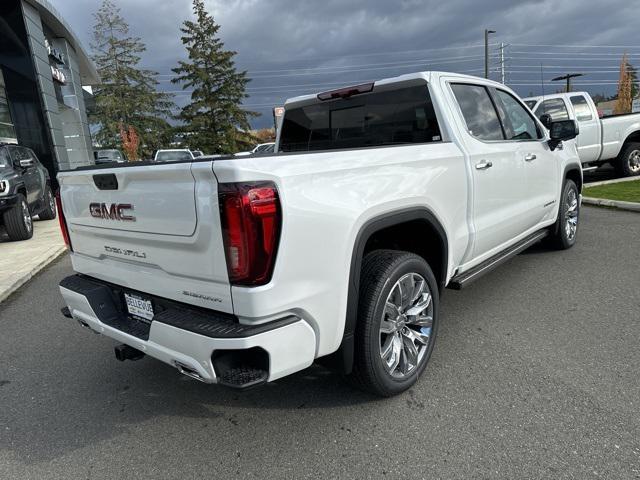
402 116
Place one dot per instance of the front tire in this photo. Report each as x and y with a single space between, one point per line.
628 163
565 230
397 321
18 221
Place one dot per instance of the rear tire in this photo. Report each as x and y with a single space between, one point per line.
565 230
397 321
18 221
49 211
628 162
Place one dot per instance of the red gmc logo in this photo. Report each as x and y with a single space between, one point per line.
113 211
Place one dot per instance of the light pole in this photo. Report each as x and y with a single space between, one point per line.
486 51
568 78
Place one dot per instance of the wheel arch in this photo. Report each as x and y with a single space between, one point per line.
573 172
634 136
378 229
21 188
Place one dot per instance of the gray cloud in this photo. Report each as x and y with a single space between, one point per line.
350 41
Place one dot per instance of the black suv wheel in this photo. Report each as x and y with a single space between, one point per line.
18 221
49 211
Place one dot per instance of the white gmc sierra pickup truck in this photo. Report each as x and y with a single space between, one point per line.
242 270
613 139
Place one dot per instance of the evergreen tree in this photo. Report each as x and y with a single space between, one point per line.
633 75
214 118
127 95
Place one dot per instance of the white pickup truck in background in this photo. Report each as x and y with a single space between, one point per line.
611 139
241 270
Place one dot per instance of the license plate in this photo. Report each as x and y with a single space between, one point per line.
139 307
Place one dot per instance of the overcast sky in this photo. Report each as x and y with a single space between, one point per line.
291 47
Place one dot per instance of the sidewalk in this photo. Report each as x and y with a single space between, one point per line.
20 261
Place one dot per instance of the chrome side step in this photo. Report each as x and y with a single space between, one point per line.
463 279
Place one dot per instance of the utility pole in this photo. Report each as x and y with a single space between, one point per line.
486 51
502 62
568 78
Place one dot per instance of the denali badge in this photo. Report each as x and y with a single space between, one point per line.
114 211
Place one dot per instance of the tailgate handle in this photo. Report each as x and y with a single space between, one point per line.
106 181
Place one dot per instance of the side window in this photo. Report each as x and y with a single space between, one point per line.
555 107
5 159
581 107
33 155
16 155
478 111
518 122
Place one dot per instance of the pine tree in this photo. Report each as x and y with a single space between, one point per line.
127 95
623 104
214 118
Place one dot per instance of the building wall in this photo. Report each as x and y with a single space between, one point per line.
63 104
21 85
42 68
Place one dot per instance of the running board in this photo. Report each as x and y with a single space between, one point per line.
463 279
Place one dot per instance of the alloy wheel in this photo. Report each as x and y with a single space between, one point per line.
572 211
405 327
26 216
52 202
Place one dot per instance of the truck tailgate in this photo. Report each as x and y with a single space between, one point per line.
153 228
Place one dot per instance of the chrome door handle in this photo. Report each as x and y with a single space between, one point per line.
483 165
530 157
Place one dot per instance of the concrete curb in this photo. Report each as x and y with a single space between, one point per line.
609 182
49 257
603 202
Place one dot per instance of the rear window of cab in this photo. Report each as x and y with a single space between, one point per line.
392 117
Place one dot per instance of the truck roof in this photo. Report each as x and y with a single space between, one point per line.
554 95
428 76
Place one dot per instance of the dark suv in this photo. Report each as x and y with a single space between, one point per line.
25 190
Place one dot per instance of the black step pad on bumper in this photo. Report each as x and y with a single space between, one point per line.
107 301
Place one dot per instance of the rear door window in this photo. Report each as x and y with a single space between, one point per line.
478 111
394 117
582 108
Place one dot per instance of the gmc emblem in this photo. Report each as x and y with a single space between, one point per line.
114 211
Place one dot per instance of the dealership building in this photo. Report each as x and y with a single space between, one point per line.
42 70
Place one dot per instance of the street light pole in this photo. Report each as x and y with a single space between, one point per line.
486 51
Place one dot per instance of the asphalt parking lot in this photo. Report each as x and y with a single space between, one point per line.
535 375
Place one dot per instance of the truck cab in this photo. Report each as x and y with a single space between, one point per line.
603 138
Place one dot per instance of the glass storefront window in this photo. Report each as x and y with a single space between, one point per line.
7 130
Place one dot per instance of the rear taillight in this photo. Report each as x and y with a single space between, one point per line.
63 222
251 220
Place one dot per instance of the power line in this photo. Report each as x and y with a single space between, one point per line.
357 68
573 46
362 55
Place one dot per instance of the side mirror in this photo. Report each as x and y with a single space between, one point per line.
27 162
562 130
546 120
